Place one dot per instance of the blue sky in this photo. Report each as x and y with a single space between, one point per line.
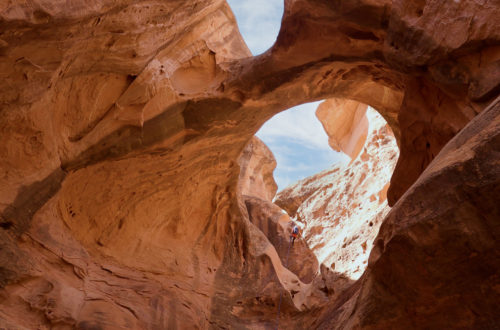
259 22
295 136
299 144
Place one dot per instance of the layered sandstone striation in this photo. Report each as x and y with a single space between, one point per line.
343 207
102 217
257 164
122 123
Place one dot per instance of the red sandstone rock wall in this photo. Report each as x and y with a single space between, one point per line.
436 259
290 278
110 217
257 164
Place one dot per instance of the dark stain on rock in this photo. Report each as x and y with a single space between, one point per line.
88 325
130 138
6 276
194 117
14 263
358 34
17 216
201 115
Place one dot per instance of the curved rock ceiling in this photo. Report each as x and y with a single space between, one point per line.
121 127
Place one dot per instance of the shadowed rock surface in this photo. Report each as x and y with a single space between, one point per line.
436 259
122 123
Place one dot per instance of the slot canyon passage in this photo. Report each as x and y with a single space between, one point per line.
134 195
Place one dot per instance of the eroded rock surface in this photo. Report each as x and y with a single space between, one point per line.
346 125
343 207
122 123
257 164
442 238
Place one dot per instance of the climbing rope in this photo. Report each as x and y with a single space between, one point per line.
281 294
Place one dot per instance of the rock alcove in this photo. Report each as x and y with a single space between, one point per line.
119 200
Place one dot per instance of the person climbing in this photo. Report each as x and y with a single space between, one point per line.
294 234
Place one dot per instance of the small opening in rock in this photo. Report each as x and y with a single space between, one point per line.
131 78
325 290
6 225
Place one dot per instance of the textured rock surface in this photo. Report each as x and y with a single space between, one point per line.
436 260
305 284
392 56
346 126
343 207
257 164
110 217
122 123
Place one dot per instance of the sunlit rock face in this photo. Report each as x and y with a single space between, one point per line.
122 123
288 276
343 207
346 125
257 164
111 213
438 243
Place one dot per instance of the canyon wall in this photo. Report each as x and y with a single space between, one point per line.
342 207
435 260
122 123
257 164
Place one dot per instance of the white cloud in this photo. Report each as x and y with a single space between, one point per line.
299 144
295 136
298 124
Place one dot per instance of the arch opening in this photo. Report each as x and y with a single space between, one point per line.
339 208
259 22
299 144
